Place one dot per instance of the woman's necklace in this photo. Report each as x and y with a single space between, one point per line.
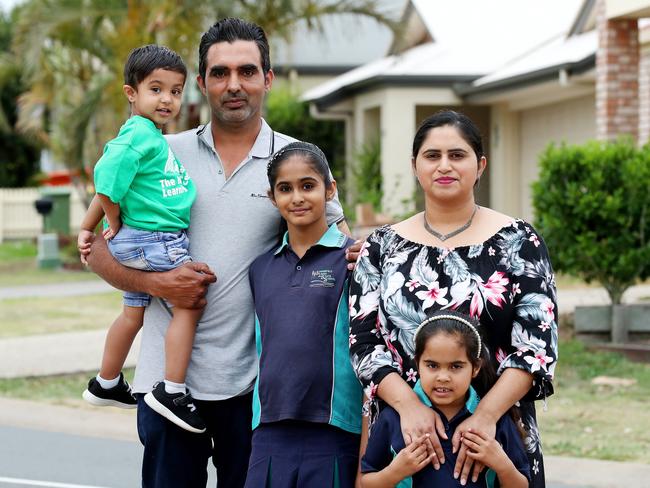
444 237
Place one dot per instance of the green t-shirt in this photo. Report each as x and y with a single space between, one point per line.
139 172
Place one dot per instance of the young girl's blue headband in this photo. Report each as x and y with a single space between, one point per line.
457 319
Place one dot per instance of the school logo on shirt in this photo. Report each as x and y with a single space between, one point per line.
172 164
177 180
322 278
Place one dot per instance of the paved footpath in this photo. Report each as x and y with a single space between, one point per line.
81 351
119 424
50 354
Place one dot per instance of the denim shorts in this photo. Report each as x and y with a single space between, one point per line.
148 251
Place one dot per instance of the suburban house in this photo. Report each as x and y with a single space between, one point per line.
529 73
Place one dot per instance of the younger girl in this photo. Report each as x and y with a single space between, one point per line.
307 400
453 365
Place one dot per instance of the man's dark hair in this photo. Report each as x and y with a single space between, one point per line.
145 59
230 30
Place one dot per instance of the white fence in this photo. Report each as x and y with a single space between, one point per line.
19 218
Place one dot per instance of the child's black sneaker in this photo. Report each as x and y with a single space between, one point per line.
175 407
118 396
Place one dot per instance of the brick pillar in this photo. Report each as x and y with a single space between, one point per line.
644 95
617 75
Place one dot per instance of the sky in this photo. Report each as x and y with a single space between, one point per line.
6 5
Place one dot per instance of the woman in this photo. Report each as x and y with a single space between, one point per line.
457 256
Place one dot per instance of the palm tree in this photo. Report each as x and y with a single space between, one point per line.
18 155
73 52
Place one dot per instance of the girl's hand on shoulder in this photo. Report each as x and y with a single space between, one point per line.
412 458
418 420
485 449
352 253
466 464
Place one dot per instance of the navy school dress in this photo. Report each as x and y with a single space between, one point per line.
386 440
307 400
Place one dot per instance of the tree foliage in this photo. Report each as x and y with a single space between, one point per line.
287 114
18 154
593 208
368 186
72 53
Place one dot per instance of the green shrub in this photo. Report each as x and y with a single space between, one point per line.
287 114
592 206
367 175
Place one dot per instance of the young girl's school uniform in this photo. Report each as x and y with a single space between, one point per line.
307 400
386 440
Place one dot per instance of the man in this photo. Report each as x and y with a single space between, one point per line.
232 222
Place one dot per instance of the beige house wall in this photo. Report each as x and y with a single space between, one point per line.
627 8
299 83
503 163
572 121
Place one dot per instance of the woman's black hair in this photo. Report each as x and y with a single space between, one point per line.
456 324
310 153
465 126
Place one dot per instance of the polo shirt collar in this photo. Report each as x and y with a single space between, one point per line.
332 237
263 146
470 404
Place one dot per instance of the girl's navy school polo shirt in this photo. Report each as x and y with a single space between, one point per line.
386 440
302 336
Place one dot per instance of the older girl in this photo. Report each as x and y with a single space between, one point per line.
307 400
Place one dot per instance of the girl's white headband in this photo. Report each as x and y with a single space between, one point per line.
456 318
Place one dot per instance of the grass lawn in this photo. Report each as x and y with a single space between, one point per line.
604 422
61 390
18 267
29 316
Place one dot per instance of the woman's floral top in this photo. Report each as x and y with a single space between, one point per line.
506 282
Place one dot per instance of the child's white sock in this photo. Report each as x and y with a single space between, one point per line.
108 384
171 387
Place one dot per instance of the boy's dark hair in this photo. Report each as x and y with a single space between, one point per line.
232 29
143 60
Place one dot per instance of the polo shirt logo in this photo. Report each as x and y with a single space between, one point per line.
322 278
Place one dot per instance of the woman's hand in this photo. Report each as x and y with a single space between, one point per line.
418 420
464 462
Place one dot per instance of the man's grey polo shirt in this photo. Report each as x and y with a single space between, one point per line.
232 222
